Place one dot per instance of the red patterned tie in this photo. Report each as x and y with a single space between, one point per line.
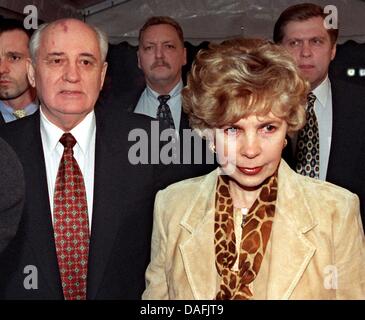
71 226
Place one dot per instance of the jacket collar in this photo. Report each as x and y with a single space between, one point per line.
293 220
290 187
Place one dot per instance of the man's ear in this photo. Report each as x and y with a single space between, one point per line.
138 59
103 73
30 72
185 60
333 52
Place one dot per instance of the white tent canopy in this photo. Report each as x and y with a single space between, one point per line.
202 20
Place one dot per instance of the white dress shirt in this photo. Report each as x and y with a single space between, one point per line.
323 111
148 103
84 153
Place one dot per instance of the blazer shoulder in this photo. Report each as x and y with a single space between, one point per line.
188 185
338 84
126 120
325 197
188 190
345 92
323 190
309 200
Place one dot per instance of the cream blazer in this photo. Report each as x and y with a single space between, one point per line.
316 249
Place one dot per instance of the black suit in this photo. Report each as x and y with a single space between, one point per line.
347 154
121 218
2 121
171 173
12 194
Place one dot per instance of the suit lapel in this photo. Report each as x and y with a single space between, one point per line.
338 122
198 251
105 221
39 224
289 252
184 123
285 261
346 137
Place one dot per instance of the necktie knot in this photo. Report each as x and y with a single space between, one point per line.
68 140
308 143
19 113
164 113
163 98
311 98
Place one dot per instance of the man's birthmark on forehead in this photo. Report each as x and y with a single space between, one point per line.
64 26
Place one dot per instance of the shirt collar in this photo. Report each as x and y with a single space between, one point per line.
29 109
322 91
173 93
6 108
83 132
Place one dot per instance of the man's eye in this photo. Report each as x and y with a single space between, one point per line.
148 48
14 58
317 41
56 61
170 46
294 43
85 62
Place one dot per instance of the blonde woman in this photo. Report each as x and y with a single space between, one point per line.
253 228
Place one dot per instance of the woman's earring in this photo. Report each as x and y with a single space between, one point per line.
212 147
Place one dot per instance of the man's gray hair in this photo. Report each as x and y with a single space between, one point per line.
35 41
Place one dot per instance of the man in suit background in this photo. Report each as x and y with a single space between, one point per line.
11 194
17 97
86 225
161 55
338 105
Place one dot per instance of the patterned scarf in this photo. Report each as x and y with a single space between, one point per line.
255 236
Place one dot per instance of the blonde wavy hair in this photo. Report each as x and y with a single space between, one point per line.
241 77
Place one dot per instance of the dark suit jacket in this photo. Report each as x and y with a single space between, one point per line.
171 173
12 194
2 121
347 155
121 223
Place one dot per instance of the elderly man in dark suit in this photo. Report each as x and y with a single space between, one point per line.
331 146
12 194
85 230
